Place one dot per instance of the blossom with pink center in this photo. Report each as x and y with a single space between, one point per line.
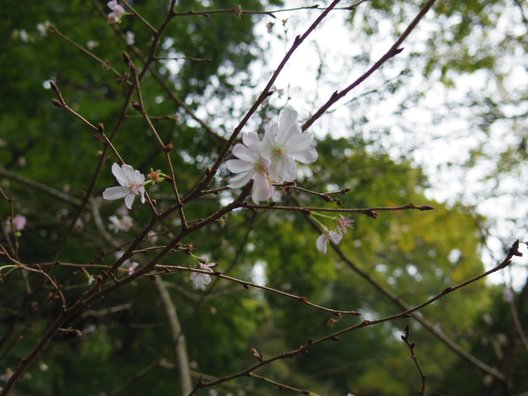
343 224
131 182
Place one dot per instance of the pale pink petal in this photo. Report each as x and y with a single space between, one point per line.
142 194
119 174
112 193
112 4
275 169
119 10
321 243
287 118
243 153
299 141
289 169
290 133
240 180
335 237
306 156
129 200
262 188
250 139
237 166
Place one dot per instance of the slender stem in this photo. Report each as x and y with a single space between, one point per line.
166 269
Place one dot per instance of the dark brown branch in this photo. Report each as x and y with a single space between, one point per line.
392 51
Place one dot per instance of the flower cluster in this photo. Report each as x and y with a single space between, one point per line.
343 223
272 159
131 182
117 12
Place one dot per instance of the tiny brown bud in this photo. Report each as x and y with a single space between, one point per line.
238 11
56 102
100 127
53 85
168 148
136 105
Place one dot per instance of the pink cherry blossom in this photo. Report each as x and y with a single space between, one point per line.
18 222
343 224
117 12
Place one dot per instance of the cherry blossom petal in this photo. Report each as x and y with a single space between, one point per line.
119 174
129 200
112 193
243 153
142 194
334 237
306 156
289 169
287 118
262 188
237 166
299 141
240 180
250 139
321 243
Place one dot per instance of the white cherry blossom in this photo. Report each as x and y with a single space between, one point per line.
131 184
201 280
325 237
284 143
251 164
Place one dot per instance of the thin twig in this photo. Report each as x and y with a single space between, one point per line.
281 385
371 212
513 251
247 284
406 339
